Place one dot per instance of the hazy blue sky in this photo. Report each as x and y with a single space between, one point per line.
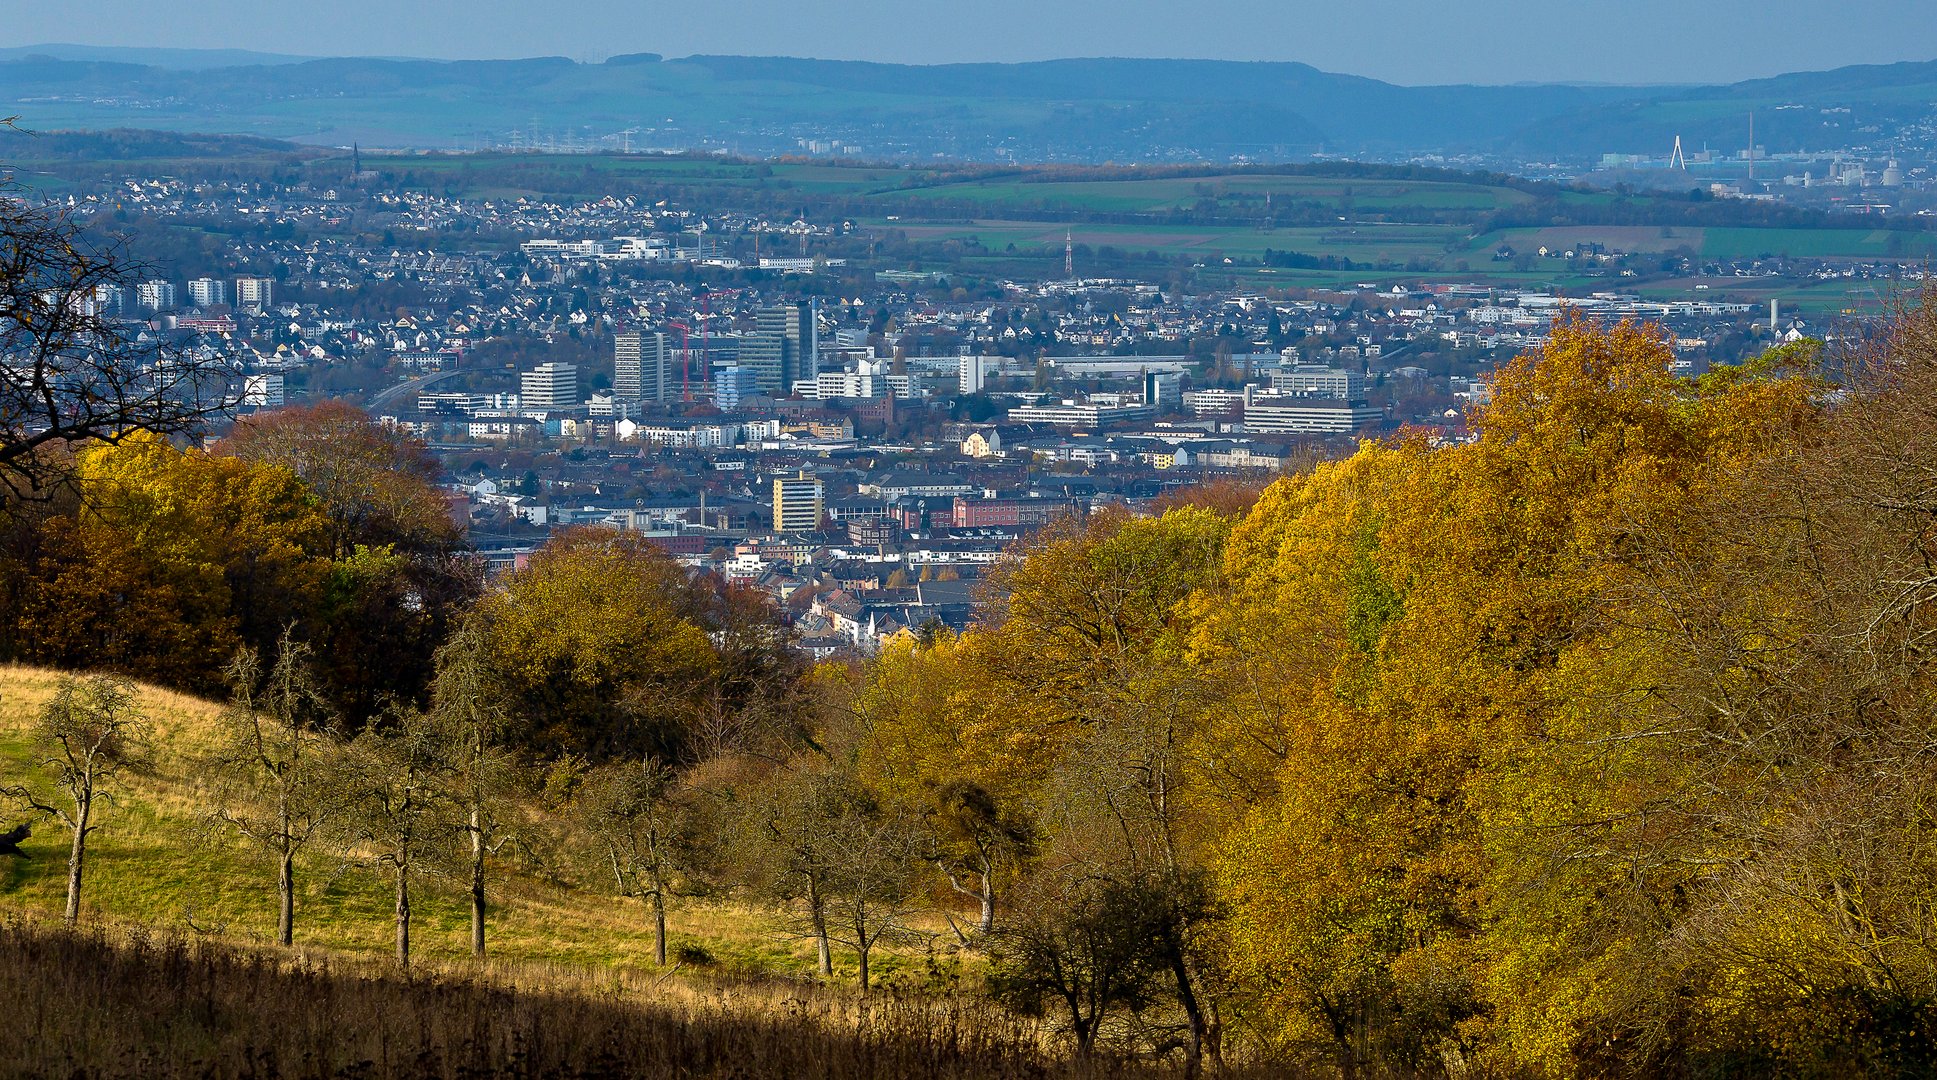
1406 41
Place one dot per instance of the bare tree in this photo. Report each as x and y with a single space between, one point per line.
273 778
70 373
468 707
873 853
630 811
778 845
397 771
91 731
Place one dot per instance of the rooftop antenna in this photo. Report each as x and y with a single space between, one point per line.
1676 160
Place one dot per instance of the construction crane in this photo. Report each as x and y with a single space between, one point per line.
685 360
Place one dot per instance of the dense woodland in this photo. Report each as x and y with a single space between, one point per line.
1597 744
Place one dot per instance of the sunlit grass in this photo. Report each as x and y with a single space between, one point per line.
156 861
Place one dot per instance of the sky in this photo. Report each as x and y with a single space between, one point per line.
1402 41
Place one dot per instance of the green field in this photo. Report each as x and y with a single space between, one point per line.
1362 243
155 861
1168 194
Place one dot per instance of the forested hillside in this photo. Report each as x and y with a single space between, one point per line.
1599 744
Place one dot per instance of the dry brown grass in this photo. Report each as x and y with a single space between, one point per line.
104 1006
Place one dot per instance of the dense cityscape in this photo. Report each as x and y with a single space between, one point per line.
858 442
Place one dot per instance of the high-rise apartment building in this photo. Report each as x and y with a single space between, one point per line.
641 366
798 503
263 391
206 291
255 292
552 385
110 299
975 370
156 295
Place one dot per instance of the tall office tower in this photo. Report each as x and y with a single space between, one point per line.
763 354
155 295
204 291
255 291
798 502
799 336
552 385
1162 389
641 366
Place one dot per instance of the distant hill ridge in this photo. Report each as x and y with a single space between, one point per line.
1085 109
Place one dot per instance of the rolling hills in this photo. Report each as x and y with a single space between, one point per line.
1091 110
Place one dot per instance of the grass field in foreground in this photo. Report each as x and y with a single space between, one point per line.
153 862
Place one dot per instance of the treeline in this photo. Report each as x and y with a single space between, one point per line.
161 563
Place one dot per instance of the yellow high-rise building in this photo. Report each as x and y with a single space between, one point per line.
798 503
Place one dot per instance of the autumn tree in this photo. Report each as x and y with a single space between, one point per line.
601 646
399 577
91 732
173 560
936 747
1082 953
273 777
375 482
1451 637
976 842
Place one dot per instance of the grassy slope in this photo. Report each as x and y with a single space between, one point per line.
149 863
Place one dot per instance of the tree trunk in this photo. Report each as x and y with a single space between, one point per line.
403 916
987 922
286 900
861 956
817 910
477 885
75 856
1193 1009
1085 1038
659 925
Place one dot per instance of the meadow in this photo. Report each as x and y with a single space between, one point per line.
157 861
